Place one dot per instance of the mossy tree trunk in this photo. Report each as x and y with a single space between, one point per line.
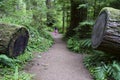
106 31
13 39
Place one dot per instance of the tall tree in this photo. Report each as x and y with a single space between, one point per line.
63 18
50 19
77 15
65 9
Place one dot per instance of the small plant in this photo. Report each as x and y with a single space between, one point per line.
115 72
18 76
81 46
103 66
6 61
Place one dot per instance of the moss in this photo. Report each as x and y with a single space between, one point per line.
8 35
6 32
113 14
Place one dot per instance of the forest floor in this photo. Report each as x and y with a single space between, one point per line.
58 63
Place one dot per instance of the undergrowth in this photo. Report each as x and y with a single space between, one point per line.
103 66
39 41
80 46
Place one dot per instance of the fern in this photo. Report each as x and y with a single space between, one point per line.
100 73
16 73
103 66
81 46
85 43
8 61
116 70
82 6
87 22
85 46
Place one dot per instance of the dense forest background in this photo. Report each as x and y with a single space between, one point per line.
73 18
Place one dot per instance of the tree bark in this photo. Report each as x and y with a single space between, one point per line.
63 18
77 15
106 31
94 14
50 19
13 39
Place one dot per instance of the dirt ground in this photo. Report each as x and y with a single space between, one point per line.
58 64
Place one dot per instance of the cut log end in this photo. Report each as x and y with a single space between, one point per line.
98 30
13 39
18 43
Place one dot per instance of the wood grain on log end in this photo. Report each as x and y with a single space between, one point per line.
13 39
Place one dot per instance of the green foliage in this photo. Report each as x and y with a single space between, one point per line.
33 18
73 44
7 61
87 22
39 41
81 46
62 11
84 29
27 56
18 76
95 6
8 66
100 73
116 70
114 3
103 66
82 6
7 6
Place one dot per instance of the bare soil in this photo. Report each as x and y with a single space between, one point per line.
58 64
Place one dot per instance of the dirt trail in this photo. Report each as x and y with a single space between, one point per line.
58 64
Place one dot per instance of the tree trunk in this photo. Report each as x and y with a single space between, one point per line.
13 39
50 19
77 15
63 19
48 4
94 14
106 31
67 18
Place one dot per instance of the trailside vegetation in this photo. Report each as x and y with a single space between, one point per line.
32 15
73 18
102 65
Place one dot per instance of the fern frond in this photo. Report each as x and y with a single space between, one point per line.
85 43
116 70
7 61
100 73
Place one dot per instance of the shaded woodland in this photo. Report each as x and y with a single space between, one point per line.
73 18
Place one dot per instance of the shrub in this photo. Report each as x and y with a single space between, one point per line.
81 46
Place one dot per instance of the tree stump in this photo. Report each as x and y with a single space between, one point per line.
106 31
13 39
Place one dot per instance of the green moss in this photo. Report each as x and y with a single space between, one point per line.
113 14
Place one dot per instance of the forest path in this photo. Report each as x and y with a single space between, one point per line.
58 64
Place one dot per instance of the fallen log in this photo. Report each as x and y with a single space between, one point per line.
106 31
13 39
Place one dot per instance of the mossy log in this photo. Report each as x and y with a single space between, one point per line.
106 31
13 39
